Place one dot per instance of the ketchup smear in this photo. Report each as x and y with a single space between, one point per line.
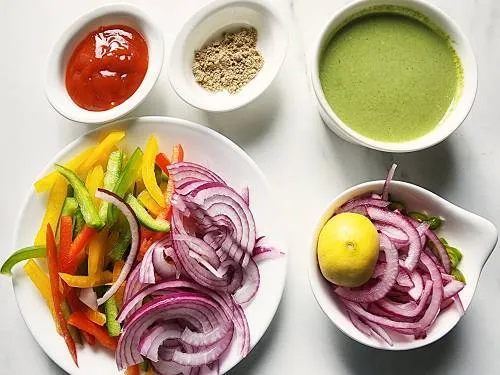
107 67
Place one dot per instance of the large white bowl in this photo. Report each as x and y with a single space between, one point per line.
201 145
452 119
474 236
208 24
115 14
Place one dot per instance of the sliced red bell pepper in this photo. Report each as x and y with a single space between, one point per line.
65 238
80 321
76 254
163 162
76 305
56 293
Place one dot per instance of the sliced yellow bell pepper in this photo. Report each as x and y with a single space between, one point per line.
148 171
95 316
41 281
45 183
94 181
97 252
117 269
147 201
76 281
101 151
55 204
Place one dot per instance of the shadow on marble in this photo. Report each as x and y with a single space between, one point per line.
429 360
250 365
434 168
247 125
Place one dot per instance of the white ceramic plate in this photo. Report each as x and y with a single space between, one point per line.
201 145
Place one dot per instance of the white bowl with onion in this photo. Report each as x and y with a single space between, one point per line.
207 25
475 236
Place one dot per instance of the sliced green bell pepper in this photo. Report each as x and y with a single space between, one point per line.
82 195
111 177
121 247
22 254
145 218
70 206
111 310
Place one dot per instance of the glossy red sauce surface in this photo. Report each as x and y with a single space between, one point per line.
107 67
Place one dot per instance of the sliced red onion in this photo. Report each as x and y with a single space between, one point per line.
245 194
387 184
443 254
403 279
400 222
186 171
418 285
147 271
362 202
151 341
452 288
380 289
459 304
129 214
250 284
88 297
409 309
396 235
359 324
380 332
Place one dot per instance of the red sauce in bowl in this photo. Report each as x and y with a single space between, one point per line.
107 67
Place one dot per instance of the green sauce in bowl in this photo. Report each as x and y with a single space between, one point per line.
390 75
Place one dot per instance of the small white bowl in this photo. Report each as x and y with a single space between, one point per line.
208 24
115 14
474 236
455 115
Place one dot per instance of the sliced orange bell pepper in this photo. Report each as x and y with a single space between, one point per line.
100 152
177 156
76 281
117 269
45 183
133 370
55 204
80 321
147 237
148 171
42 283
97 252
56 293
163 162
76 254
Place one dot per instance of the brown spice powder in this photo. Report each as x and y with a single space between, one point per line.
228 63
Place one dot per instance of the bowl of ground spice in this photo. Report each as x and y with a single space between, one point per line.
227 54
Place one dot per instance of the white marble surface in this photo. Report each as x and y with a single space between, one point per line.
301 157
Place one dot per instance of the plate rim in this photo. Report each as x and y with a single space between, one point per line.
126 122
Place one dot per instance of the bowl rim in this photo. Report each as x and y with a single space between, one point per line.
194 21
79 26
312 265
428 139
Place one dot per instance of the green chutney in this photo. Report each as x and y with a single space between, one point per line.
390 76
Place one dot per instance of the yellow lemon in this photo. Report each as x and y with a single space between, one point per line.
348 247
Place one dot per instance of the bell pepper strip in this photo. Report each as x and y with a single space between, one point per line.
69 207
163 162
177 156
120 248
100 151
94 181
71 260
148 171
144 366
126 181
148 237
82 195
149 203
20 255
65 238
77 281
41 281
97 252
113 169
117 269
76 305
55 203
150 371
133 370
157 225
66 310
80 321
111 309
79 222
56 293
46 183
